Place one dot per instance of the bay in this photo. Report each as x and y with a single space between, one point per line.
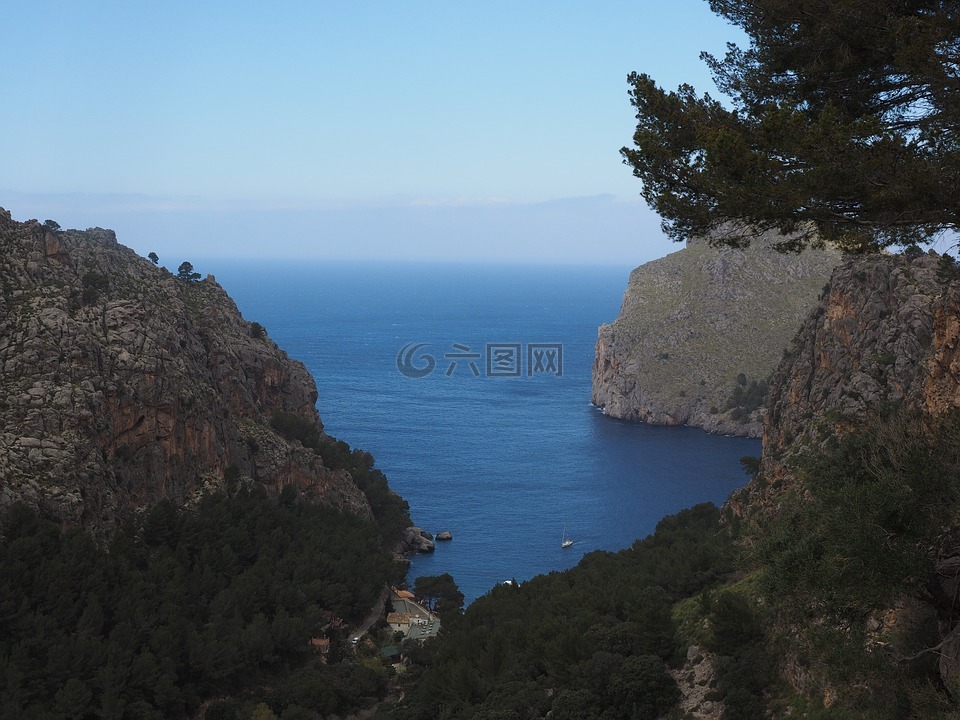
507 464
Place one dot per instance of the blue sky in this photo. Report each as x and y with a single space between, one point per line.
417 130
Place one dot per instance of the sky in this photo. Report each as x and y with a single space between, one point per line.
332 130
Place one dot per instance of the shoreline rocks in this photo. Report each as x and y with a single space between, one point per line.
416 540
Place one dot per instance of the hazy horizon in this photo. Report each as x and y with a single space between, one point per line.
565 232
414 132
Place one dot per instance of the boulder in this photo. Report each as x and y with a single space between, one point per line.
415 540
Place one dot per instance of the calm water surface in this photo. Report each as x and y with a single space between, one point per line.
507 464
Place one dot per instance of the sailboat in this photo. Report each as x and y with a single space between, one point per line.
566 542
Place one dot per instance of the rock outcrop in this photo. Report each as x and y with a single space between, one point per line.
697 681
886 334
121 385
886 331
416 540
697 324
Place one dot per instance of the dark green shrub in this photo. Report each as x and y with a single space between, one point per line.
296 427
93 285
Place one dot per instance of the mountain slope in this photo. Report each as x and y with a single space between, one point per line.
121 385
884 334
852 520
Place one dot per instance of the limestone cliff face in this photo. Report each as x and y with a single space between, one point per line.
121 385
885 334
887 330
694 323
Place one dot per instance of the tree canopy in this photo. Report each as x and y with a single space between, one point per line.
183 605
590 643
186 272
439 593
842 125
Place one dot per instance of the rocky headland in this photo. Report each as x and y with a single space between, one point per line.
700 323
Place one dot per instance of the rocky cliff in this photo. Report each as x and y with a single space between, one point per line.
121 384
697 325
886 331
880 351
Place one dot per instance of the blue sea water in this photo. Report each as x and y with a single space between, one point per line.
507 464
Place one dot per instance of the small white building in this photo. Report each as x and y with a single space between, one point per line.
399 622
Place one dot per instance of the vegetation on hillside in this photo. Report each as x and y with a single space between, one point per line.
219 601
837 589
214 601
746 399
850 567
439 593
590 642
389 509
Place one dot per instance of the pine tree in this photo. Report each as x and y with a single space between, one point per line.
841 125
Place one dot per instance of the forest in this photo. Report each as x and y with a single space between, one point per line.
389 509
592 642
181 606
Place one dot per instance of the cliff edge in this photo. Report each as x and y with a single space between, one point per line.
876 365
701 330
885 333
122 384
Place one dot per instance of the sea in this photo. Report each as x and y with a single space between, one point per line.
470 385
